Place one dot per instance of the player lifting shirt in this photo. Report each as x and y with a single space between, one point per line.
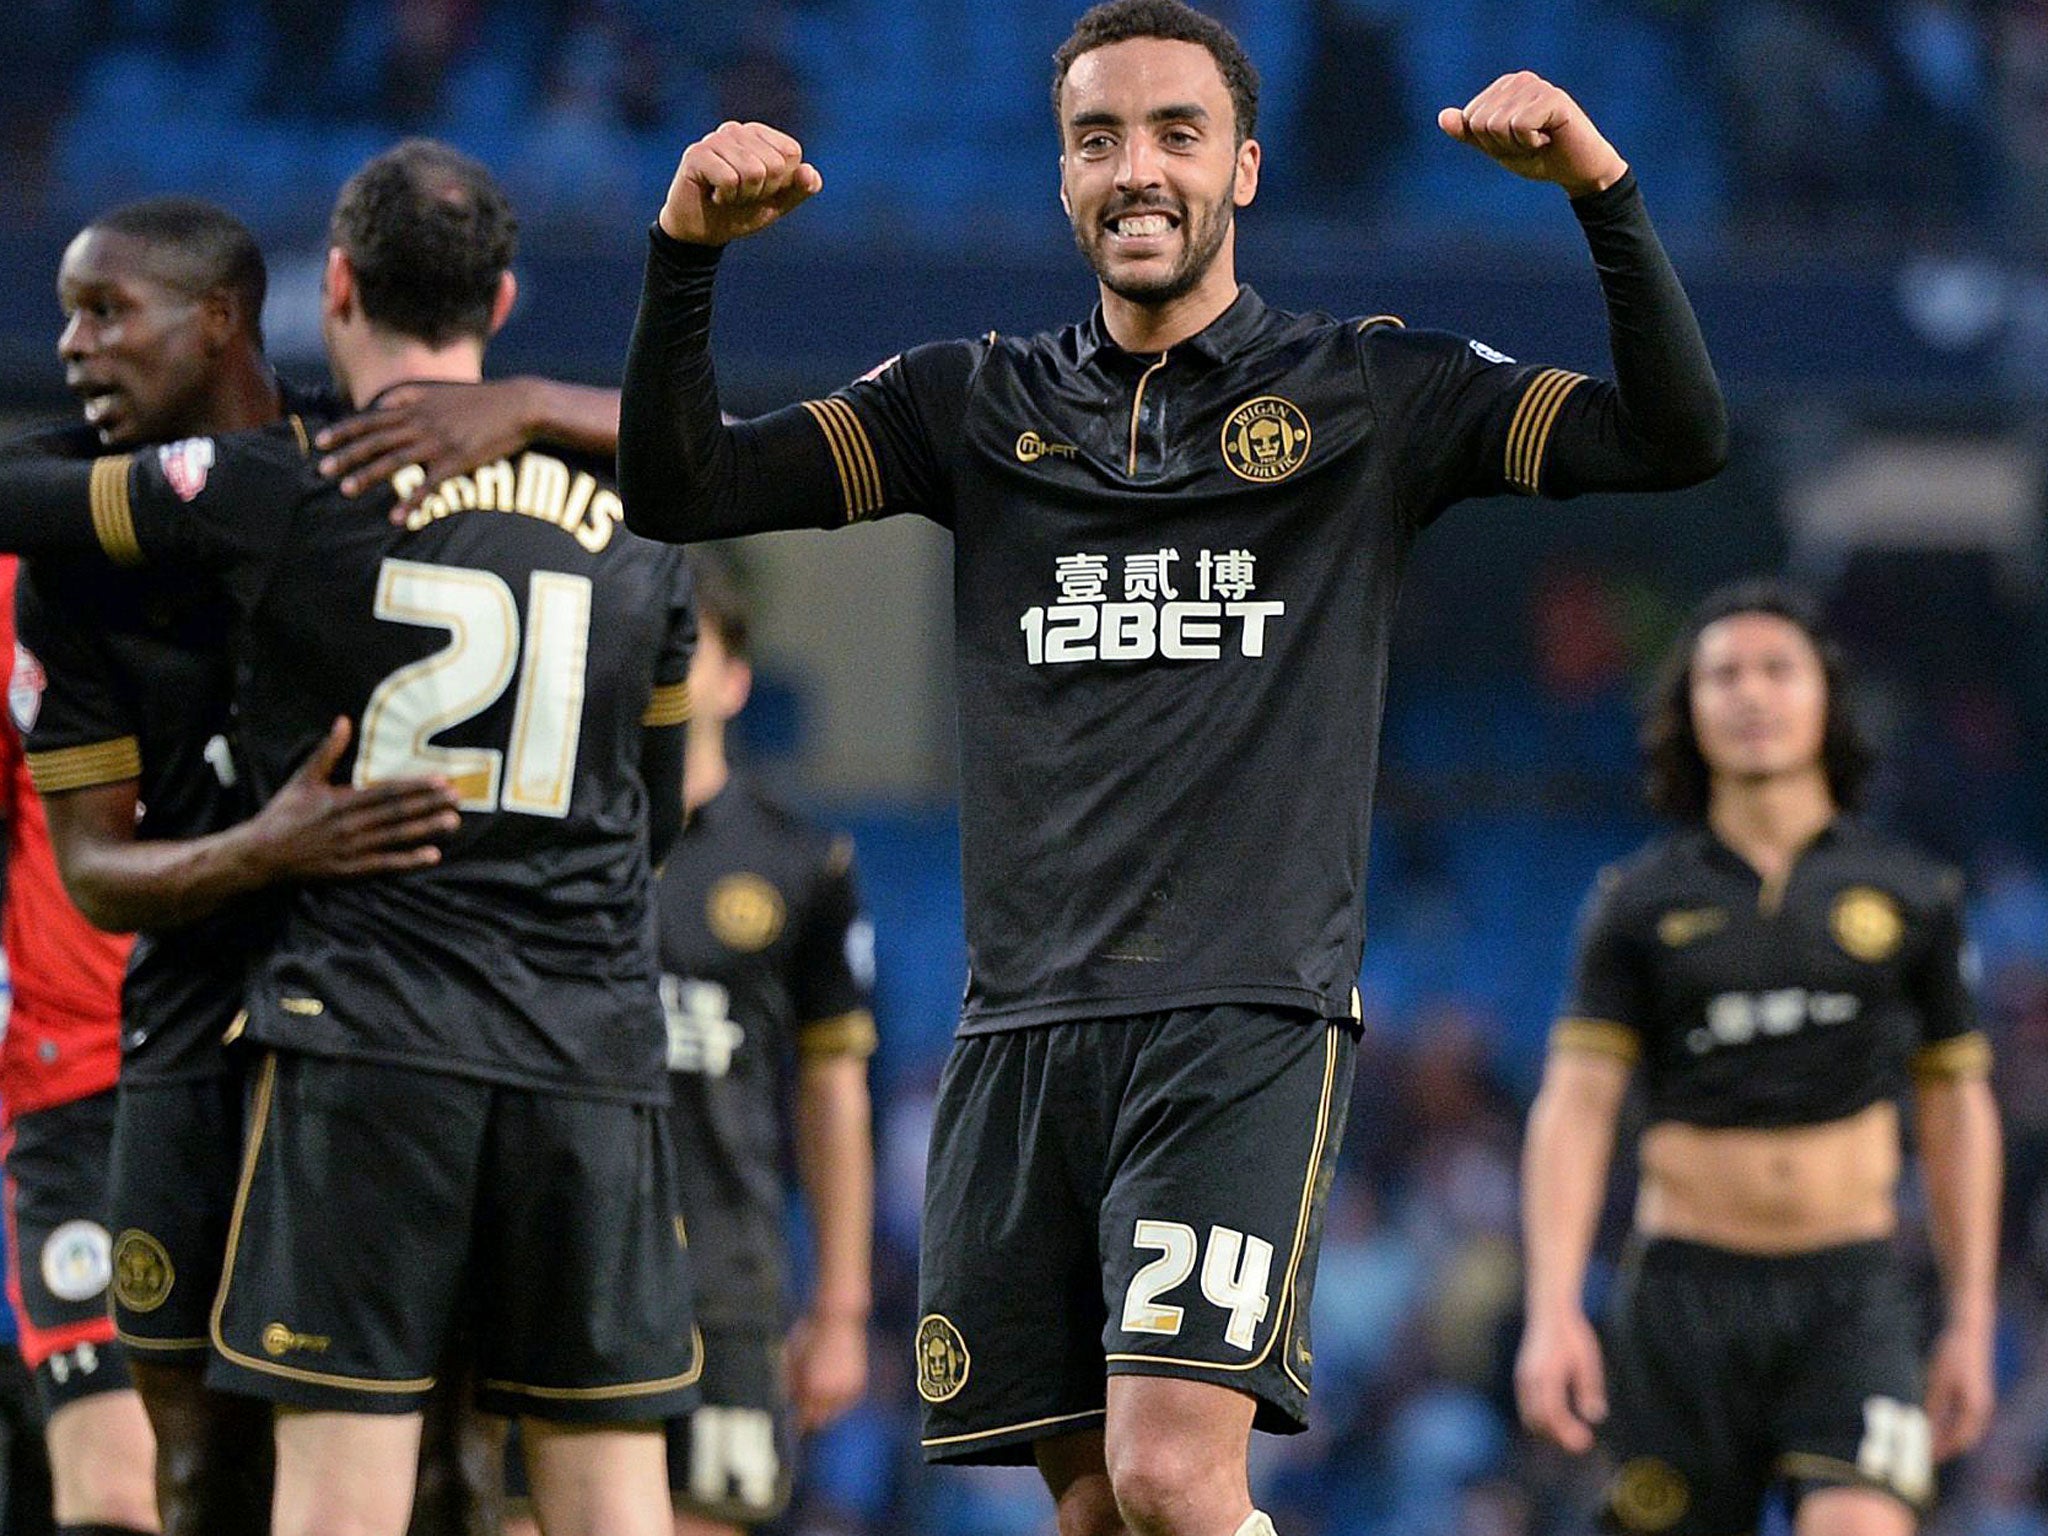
1781 973
482 1029
1179 530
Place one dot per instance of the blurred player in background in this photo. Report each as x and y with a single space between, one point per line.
163 340
59 1059
767 969
1782 974
1179 529
767 961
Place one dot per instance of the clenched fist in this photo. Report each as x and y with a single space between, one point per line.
1536 130
736 181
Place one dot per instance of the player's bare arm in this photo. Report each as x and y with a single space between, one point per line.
1560 1383
311 829
451 429
1531 127
736 181
828 1348
1962 1166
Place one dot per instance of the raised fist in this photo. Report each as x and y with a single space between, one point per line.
736 181
1536 130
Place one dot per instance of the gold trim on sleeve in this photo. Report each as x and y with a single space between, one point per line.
1960 1058
845 1034
860 479
113 520
86 767
1603 1037
1372 320
863 454
669 704
829 429
1529 431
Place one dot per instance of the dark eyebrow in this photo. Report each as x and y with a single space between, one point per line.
1180 112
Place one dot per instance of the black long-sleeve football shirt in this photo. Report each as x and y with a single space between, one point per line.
1175 578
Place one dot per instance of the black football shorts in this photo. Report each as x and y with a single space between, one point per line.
1731 1372
60 1248
177 1149
1137 1195
378 1204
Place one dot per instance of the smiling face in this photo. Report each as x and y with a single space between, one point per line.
1152 173
1759 698
138 348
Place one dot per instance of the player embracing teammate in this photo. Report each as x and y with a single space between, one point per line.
520 658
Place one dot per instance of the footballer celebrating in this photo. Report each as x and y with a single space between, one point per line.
1179 531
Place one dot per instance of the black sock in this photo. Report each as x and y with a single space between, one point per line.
99 1530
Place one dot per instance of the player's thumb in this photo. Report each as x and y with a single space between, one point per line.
1590 1391
319 768
1452 121
803 186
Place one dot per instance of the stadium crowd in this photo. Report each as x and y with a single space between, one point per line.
583 99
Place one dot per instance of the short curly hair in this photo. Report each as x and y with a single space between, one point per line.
429 235
1676 779
1118 21
209 249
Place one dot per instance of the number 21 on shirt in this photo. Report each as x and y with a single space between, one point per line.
536 772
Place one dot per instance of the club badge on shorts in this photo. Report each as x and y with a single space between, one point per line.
77 1261
1648 1495
942 1359
143 1275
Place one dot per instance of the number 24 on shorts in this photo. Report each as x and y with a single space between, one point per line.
1235 1272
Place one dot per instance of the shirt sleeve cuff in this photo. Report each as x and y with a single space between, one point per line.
1621 198
681 253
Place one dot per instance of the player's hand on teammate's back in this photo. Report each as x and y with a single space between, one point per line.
828 1367
446 429
1560 1383
1536 130
1960 1391
314 829
736 181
